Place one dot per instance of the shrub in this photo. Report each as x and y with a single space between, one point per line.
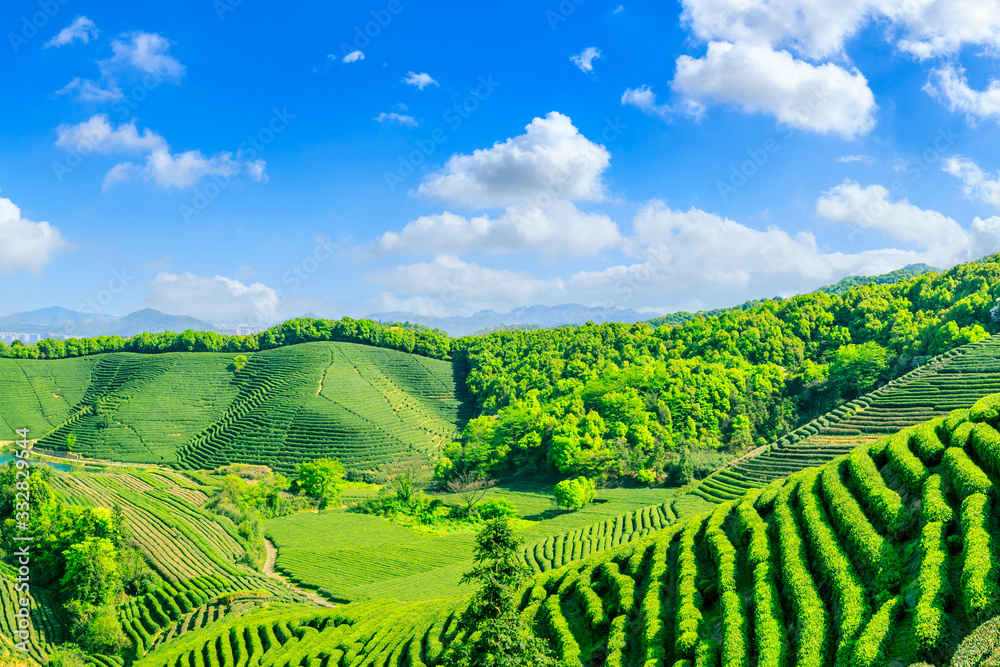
575 493
985 441
497 508
935 506
813 620
930 617
978 588
986 410
883 501
927 444
871 646
965 475
907 467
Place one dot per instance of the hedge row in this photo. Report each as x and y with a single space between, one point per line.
882 500
965 475
866 544
930 617
851 601
734 626
979 589
811 616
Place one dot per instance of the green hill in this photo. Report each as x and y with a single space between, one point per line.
361 404
886 556
953 380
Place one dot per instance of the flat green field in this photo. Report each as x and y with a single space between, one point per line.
358 557
364 405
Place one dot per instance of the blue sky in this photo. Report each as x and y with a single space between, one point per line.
245 162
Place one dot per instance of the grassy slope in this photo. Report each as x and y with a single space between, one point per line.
358 557
361 404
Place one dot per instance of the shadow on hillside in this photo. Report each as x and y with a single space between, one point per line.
546 515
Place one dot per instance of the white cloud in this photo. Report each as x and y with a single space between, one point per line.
949 84
184 170
691 259
165 169
145 52
975 182
216 300
421 80
871 207
81 28
25 245
551 158
97 135
585 59
448 284
644 99
558 229
354 56
819 29
137 57
942 27
393 117
824 98
91 91
863 159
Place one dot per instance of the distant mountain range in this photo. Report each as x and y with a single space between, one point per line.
60 322
520 318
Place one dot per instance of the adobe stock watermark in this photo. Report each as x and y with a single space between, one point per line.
874 209
88 144
550 192
562 12
297 274
453 118
31 24
97 303
22 519
758 156
365 34
248 150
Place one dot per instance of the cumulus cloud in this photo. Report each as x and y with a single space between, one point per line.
90 91
97 135
399 119
691 259
950 85
819 29
644 99
585 59
25 245
137 56
421 80
354 56
557 229
216 300
165 169
551 157
145 52
448 284
824 98
871 207
975 182
82 29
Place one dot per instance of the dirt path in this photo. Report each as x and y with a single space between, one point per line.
272 555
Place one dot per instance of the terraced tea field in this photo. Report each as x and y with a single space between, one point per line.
884 556
363 405
956 379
